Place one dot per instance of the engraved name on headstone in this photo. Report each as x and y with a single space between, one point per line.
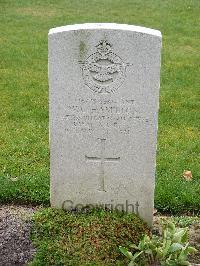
104 98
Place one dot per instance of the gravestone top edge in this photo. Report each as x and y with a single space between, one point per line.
105 26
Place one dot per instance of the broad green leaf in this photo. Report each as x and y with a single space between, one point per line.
166 247
126 253
174 247
183 255
184 238
178 235
134 246
132 263
148 251
141 244
183 262
171 226
191 250
159 252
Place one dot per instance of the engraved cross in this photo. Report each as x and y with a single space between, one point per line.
102 160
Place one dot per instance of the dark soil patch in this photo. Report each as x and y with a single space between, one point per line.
15 225
194 233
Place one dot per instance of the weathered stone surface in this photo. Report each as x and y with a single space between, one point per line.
104 97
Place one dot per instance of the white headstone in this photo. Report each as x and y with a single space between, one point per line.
104 99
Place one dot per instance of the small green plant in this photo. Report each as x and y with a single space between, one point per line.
171 249
184 221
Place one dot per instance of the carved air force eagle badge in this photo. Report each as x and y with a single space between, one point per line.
104 71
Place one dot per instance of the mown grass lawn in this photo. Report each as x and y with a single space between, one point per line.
24 163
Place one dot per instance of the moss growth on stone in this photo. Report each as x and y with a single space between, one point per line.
89 237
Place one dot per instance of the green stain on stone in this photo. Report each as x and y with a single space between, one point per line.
82 50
